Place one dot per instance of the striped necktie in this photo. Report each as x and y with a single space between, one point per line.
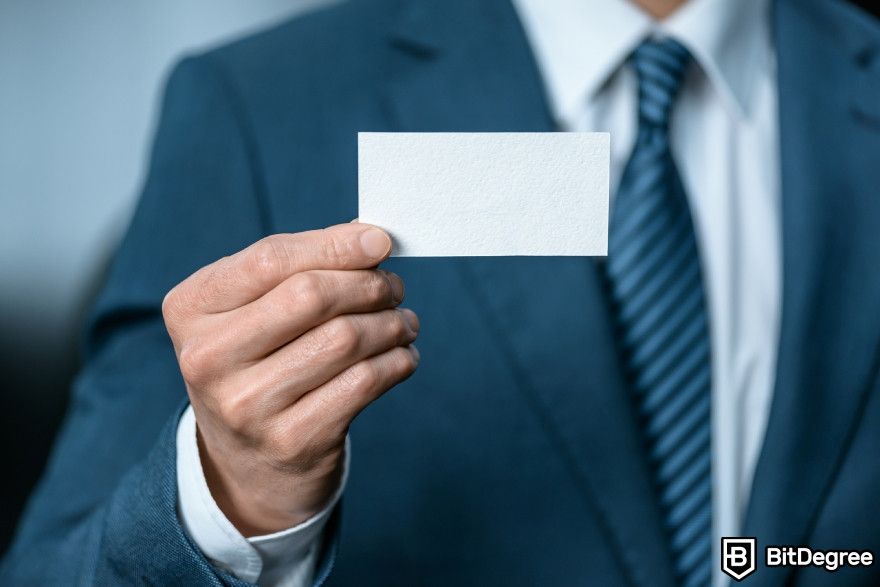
656 290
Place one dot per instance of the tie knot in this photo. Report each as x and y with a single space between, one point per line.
660 65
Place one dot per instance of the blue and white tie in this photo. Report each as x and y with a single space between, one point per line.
656 290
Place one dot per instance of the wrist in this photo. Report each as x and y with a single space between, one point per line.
262 500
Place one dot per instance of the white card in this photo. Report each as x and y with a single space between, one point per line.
486 194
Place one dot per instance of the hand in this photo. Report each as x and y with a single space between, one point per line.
281 345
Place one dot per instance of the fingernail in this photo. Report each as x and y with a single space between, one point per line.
416 354
411 319
375 243
397 290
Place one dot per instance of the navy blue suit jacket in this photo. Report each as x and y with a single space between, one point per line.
512 456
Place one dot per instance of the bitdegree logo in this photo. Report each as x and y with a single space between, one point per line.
739 558
804 556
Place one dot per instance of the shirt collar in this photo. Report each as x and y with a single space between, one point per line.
579 44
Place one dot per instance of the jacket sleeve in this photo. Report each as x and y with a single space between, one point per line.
105 511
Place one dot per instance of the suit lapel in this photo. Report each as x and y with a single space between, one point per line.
469 68
829 135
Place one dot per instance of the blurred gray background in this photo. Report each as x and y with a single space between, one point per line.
79 86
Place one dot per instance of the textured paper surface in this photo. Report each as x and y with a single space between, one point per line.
486 194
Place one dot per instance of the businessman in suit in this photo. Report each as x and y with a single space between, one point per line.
571 421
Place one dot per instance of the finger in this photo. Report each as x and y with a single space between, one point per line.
241 278
332 406
302 302
326 351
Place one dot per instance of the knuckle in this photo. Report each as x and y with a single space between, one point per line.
285 447
203 287
169 304
281 441
195 361
218 283
235 412
411 363
171 309
282 452
341 336
308 294
403 363
399 328
204 358
335 249
178 303
299 448
268 256
364 377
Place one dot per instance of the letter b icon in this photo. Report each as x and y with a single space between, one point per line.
738 557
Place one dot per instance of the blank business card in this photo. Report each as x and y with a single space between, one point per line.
486 194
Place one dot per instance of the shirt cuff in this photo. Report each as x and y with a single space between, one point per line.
283 559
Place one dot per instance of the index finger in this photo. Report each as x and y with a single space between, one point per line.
243 277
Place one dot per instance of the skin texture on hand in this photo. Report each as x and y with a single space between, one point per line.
281 346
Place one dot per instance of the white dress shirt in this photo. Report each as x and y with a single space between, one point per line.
724 138
282 559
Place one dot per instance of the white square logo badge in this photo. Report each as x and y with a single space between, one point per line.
738 557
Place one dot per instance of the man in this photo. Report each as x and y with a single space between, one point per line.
572 421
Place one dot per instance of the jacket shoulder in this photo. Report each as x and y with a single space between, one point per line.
341 41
